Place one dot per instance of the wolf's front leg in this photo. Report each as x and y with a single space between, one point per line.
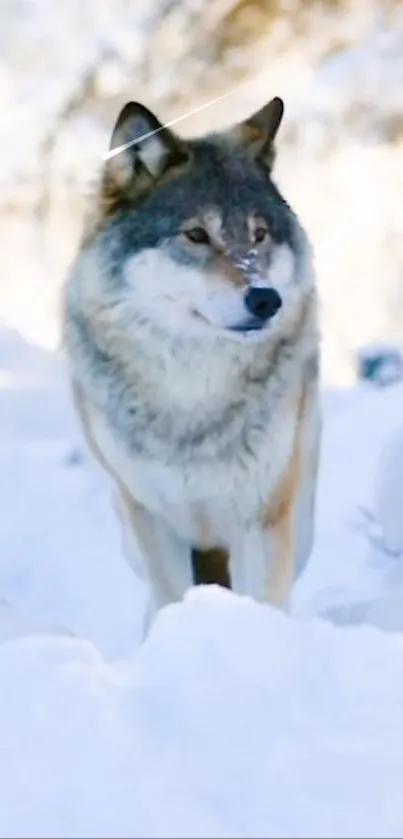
155 553
268 557
262 563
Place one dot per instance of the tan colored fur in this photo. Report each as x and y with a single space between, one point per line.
279 521
229 272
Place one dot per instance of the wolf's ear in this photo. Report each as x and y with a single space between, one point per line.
258 132
140 151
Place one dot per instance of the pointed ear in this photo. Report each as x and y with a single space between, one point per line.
258 132
140 151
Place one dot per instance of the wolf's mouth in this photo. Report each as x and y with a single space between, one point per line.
250 325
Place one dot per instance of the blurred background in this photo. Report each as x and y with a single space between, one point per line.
67 68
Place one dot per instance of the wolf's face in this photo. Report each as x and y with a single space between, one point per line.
202 242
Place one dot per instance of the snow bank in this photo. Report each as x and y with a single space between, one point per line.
232 720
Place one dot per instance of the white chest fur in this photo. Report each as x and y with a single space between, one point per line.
209 501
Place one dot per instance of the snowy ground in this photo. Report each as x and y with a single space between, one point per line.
231 720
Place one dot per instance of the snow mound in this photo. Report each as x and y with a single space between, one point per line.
231 720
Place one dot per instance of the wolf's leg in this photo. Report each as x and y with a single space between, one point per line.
305 502
268 557
262 563
150 546
154 551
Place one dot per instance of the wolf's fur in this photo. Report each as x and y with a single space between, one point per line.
211 435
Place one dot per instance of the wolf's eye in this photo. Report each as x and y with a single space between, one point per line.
197 235
260 234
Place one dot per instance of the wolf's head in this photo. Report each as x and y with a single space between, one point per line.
198 238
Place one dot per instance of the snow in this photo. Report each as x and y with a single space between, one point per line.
231 719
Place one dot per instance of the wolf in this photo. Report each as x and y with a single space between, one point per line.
190 324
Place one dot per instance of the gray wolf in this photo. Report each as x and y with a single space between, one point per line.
190 322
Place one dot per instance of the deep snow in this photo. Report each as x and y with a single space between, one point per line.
232 720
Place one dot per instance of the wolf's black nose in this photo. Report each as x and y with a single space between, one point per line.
262 303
